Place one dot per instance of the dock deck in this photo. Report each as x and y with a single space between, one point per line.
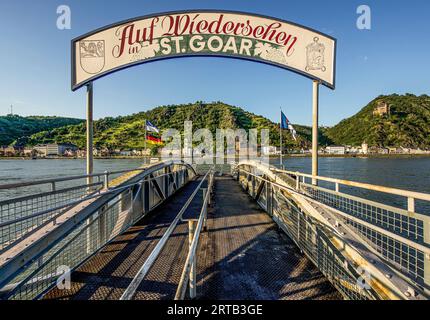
242 255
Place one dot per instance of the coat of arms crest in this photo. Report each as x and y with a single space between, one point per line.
92 55
315 56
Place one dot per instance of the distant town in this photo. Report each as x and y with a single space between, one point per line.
364 149
68 150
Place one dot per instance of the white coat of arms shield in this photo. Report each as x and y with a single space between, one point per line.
315 56
92 55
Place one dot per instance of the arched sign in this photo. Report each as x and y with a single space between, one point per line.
203 33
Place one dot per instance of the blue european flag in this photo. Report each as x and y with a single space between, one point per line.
284 121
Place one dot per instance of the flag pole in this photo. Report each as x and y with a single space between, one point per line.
144 139
280 134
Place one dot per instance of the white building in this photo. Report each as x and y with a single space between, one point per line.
269 150
335 150
55 149
364 148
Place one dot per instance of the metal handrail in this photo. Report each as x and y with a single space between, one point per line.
190 261
351 235
15 264
43 212
69 178
131 289
367 186
418 246
76 202
47 193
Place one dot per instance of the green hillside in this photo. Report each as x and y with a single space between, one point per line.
15 129
407 124
127 131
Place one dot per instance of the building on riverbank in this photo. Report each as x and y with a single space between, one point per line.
335 150
11 151
56 149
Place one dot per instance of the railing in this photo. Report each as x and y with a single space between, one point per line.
410 196
85 227
194 235
20 216
401 237
291 201
189 273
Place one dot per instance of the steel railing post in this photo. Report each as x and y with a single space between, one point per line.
411 204
426 231
102 226
193 276
269 198
140 198
210 189
88 236
146 187
131 204
166 182
205 208
106 179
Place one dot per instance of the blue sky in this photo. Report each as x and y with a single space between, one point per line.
392 57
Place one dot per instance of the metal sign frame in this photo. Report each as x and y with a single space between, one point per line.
314 48
75 86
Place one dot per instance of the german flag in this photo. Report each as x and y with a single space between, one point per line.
153 140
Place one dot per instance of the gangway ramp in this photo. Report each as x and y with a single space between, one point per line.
242 255
107 274
173 231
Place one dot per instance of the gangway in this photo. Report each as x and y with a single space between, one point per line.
138 234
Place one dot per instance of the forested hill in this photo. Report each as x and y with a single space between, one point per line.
14 128
127 131
390 120
404 123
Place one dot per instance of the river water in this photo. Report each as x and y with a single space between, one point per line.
409 173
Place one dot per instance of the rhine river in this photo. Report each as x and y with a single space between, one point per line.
409 173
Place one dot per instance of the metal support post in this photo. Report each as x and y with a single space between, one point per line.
315 101
192 224
106 180
205 208
90 164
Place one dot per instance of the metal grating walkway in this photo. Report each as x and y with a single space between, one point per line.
243 255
